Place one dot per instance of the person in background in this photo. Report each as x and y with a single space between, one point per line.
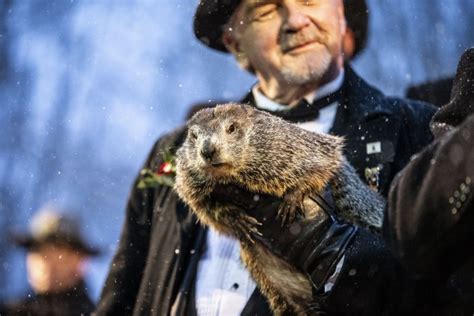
56 256
166 263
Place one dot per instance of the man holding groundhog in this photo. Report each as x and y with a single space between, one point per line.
169 264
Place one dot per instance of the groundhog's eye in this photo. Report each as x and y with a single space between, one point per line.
194 135
231 128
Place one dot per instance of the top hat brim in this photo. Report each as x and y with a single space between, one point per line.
29 242
209 20
357 18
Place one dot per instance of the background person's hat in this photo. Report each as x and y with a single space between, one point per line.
461 104
50 226
212 15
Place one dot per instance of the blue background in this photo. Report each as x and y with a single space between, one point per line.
86 87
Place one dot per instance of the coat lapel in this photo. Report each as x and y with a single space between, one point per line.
185 302
191 243
370 128
257 305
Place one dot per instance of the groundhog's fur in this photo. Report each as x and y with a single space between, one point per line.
239 145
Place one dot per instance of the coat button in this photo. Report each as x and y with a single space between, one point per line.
352 272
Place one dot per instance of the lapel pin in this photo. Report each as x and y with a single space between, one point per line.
372 177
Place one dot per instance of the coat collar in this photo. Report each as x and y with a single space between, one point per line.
361 105
361 100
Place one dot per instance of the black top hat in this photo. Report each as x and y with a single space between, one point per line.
461 104
212 15
52 227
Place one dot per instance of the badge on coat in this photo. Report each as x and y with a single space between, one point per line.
374 148
372 177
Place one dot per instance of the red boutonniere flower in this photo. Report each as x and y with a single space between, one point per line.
166 168
164 175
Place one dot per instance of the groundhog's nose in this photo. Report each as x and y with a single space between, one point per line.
208 150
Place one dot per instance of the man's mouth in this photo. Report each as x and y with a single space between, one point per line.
299 47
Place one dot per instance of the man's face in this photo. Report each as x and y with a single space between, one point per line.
292 41
52 268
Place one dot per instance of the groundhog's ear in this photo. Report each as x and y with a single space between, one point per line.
248 110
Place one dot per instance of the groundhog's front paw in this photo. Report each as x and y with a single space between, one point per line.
291 206
246 227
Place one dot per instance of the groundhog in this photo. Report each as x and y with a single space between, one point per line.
236 144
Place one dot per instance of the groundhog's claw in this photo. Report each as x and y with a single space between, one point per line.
247 226
291 207
288 212
284 213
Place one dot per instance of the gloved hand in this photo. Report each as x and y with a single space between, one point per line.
312 245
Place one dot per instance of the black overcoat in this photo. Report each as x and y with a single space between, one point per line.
154 268
430 218
74 302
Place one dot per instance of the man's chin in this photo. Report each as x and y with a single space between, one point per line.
303 69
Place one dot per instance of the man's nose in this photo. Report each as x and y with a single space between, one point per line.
208 150
295 16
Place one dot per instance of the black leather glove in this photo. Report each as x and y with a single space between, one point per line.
313 245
